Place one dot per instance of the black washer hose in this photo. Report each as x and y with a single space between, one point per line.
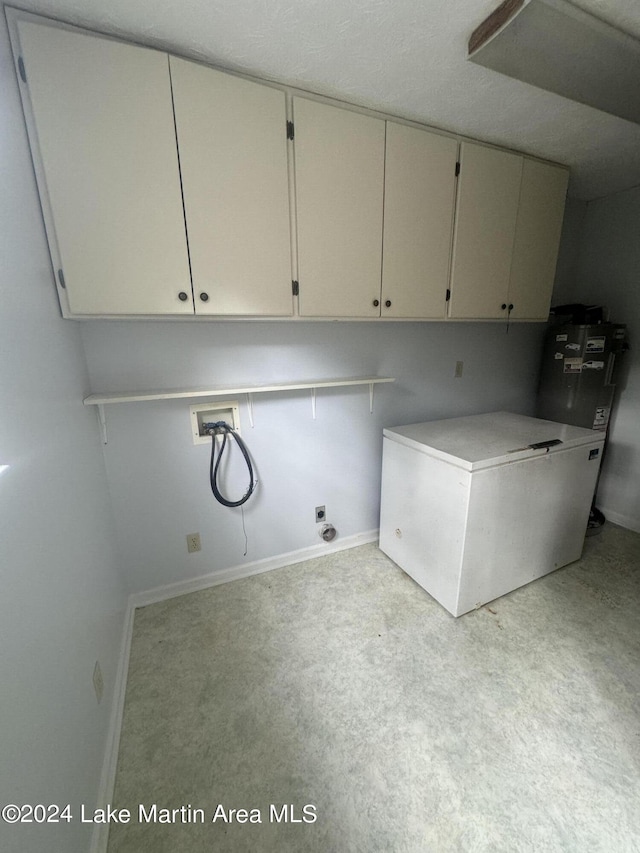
226 430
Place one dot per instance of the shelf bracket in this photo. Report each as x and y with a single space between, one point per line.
250 408
103 423
313 403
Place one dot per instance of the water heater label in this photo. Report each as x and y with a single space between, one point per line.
602 417
573 365
595 344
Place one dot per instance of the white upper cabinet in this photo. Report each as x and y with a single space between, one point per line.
107 169
507 234
339 175
537 240
167 188
232 139
487 209
419 198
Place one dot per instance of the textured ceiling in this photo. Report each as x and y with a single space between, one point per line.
403 57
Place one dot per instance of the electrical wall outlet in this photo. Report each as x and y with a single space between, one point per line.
98 683
193 543
321 514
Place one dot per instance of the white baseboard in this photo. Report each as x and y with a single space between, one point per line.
100 835
622 520
161 593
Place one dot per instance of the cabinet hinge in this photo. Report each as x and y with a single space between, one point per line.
295 288
22 70
290 130
448 295
61 279
457 169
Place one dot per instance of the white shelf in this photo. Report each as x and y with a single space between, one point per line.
101 400
222 391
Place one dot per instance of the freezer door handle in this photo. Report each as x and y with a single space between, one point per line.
539 445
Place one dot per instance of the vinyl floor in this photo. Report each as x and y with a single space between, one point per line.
334 706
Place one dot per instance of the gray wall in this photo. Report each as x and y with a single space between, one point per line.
607 272
62 599
159 479
568 266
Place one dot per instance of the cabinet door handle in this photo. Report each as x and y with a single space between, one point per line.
204 297
388 303
182 296
511 307
504 306
376 302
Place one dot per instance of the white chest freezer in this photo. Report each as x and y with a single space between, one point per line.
471 508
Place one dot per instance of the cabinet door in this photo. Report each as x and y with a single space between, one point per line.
232 139
535 253
419 196
339 158
106 146
487 209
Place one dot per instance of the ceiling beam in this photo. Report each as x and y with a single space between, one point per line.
555 46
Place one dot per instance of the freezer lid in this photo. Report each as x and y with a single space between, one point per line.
496 438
